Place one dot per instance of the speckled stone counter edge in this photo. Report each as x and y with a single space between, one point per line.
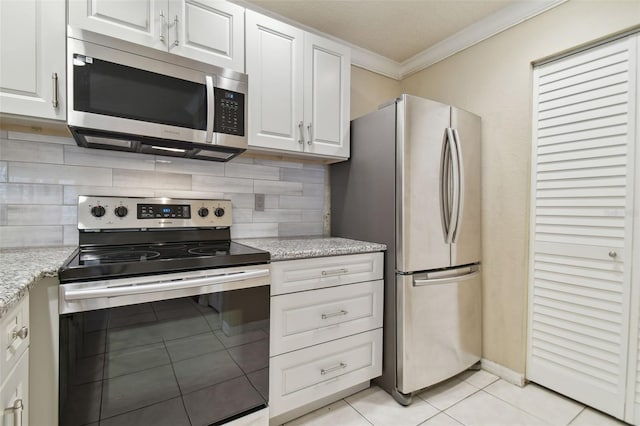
301 248
21 268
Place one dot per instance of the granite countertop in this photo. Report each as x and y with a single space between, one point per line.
21 268
300 248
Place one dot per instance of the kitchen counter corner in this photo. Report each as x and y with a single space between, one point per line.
301 248
20 268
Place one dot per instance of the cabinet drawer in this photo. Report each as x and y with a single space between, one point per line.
300 377
304 319
307 274
14 394
14 335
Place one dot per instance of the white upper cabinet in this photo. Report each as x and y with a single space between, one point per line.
299 85
32 58
210 31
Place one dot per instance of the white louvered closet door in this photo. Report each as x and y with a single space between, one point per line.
582 223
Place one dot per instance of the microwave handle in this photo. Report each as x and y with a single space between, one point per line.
210 108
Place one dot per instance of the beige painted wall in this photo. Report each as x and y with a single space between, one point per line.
368 90
494 80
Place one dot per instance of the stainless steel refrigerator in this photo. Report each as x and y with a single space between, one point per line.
413 183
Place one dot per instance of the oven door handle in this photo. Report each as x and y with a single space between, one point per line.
133 289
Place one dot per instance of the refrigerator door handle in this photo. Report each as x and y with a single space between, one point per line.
460 185
445 184
455 186
472 273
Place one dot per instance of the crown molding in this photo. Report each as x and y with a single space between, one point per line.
503 19
514 14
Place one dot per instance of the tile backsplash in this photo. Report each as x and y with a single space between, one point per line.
42 176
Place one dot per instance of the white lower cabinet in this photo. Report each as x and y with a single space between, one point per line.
326 330
14 366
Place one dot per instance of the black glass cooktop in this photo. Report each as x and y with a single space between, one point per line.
103 262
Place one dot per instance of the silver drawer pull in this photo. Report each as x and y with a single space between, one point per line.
334 314
22 333
17 408
326 371
335 272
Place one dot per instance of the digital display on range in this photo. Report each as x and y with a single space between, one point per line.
162 211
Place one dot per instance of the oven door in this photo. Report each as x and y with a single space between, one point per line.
176 349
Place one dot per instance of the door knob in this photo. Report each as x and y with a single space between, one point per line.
613 254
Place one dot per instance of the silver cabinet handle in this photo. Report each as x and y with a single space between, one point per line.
162 26
334 314
22 333
340 366
335 272
613 254
17 408
310 141
175 22
300 128
54 80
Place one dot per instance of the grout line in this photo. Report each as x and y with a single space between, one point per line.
355 409
577 415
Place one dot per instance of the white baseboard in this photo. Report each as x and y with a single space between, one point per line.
503 372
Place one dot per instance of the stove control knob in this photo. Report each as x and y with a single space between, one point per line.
121 211
98 211
203 212
219 212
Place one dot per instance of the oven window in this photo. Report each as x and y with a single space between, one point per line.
196 360
102 87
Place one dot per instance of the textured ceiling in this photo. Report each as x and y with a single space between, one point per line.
396 29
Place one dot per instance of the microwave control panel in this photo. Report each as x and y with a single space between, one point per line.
229 112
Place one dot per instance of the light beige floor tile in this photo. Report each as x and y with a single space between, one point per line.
441 419
338 413
538 401
444 395
380 409
591 417
479 378
483 409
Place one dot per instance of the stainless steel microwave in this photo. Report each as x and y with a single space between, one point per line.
125 101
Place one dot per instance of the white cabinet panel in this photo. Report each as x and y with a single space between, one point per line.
309 274
275 69
32 59
14 395
582 222
327 85
302 319
300 89
137 21
301 377
210 31
14 336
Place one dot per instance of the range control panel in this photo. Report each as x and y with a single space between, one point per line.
96 212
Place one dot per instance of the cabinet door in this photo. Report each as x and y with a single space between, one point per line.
210 31
274 65
327 82
32 58
138 21
582 220
14 395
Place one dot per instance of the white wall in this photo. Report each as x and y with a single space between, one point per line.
42 176
494 80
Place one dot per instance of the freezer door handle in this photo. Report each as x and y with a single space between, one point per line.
459 190
472 273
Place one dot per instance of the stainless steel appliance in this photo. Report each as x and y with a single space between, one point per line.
154 102
162 316
413 183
